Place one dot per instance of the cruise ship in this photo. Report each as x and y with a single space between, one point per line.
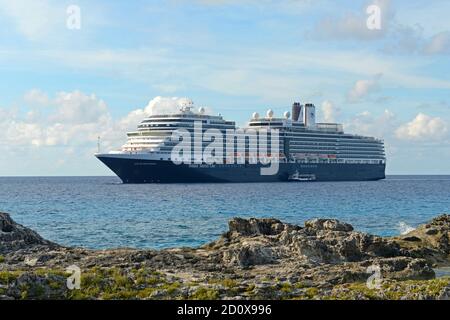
301 149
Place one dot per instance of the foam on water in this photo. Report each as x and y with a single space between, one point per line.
404 228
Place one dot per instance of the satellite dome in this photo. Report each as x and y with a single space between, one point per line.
201 110
255 115
269 113
287 114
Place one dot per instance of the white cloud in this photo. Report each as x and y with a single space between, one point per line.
329 111
366 123
423 127
77 107
18 132
72 118
157 106
75 119
36 97
34 19
363 88
165 105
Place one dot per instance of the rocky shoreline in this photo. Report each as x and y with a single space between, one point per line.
255 259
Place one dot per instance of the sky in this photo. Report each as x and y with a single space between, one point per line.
75 70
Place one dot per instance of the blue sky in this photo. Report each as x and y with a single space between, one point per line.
61 88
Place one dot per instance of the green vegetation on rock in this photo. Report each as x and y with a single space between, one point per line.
205 294
115 283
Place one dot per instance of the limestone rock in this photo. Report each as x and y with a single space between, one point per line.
251 242
253 227
328 224
429 241
266 258
14 236
250 255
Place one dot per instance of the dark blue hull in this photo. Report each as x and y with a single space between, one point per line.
153 171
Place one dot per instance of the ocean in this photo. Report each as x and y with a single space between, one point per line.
101 212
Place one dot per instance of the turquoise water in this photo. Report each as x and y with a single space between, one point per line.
100 212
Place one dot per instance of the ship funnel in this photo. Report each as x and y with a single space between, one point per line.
310 115
296 111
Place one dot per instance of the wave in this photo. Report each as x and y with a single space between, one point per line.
404 228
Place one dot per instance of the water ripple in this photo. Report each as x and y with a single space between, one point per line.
99 212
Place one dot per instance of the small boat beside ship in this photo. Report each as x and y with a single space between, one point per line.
302 177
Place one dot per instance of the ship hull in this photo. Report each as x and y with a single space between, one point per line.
131 170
